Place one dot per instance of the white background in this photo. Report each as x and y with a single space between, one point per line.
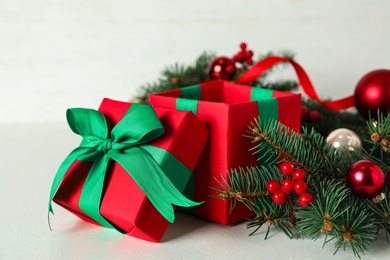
56 54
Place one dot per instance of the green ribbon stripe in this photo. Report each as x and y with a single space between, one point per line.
267 109
126 145
189 99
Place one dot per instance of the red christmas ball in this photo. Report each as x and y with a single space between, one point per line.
222 68
279 197
373 92
273 186
300 187
287 168
287 185
305 199
365 179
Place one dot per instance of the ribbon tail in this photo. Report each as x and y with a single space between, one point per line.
152 180
91 194
259 68
69 160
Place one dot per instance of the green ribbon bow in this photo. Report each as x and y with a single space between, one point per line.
126 145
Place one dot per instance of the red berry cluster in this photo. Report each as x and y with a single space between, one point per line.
297 183
312 115
244 55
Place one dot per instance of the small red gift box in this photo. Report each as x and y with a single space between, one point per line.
124 204
226 109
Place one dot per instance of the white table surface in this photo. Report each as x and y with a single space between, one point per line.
30 156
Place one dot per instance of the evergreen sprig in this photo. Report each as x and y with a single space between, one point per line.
379 131
321 217
357 227
308 150
331 120
180 75
336 212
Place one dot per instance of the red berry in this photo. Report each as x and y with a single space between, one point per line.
304 111
248 54
243 46
249 61
287 168
299 175
300 187
240 56
273 186
287 185
314 116
305 199
279 197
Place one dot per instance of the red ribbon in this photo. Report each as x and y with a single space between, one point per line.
259 68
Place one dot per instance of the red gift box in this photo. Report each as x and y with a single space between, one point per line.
226 109
124 204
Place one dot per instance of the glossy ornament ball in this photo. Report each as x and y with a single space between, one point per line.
305 199
372 93
344 140
365 179
279 197
222 68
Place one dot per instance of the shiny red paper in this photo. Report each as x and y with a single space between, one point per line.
124 204
225 109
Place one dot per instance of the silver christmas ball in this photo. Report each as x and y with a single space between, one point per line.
344 139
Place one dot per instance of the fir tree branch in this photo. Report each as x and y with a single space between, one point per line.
244 185
356 227
328 205
308 151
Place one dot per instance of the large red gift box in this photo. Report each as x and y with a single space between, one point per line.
123 203
226 109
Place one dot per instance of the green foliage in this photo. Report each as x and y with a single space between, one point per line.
357 227
328 206
336 212
180 75
308 150
331 120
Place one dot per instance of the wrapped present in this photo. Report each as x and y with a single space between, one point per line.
131 166
226 109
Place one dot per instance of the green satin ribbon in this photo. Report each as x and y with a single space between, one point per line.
267 109
189 99
126 145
